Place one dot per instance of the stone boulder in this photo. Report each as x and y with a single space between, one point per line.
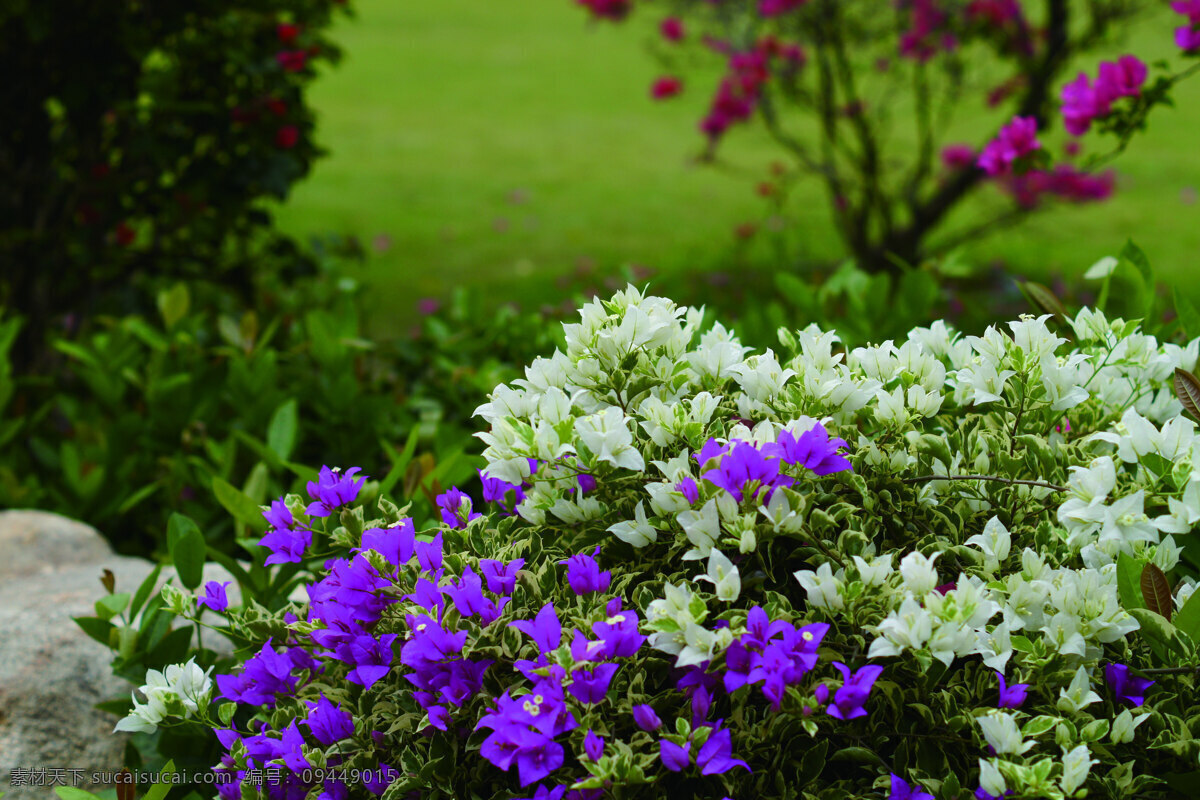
51 673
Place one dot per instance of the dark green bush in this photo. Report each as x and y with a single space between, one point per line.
139 140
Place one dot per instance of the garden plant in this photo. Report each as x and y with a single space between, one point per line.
878 102
941 566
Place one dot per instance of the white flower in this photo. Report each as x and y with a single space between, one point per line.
609 439
1003 733
908 628
889 408
823 587
995 542
1078 695
723 575
1076 765
918 572
1126 522
778 512
761 377
144 717
190 683
985 382
995 646
638 532
990 779
1124 726
875 573
702 529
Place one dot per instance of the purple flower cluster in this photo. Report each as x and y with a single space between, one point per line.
264 676
744 470
584 575
1084 101
848 700
456 508
901 790
776 654
333 489
714 757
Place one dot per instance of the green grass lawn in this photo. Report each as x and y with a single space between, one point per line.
502 145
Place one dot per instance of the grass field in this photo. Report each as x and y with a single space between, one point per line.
501 145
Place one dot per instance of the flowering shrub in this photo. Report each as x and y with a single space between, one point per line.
157 164
941 567
868 99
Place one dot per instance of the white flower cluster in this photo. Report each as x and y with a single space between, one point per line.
643 387
177 691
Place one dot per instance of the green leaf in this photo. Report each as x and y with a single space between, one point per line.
111 605
144 590
95 627
187 548
860 754
159 790
281 433
1188 618
173 647
173 304
1134 255
1043 299
1129 576
236 502
73 793
1160 634
1189 317
137 497
1039 725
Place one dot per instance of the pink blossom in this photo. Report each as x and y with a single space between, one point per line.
773 8
1188 38
1081 103
1016 140
672 29
958 156
1124 78
1189 9
666 86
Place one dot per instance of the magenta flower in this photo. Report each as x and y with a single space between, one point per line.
396 545
665 87
456 508
688 488
773 8
1188 38
1081 103
593 746
812 449
672 29
1015 141
287 546
1122 78
327 722
1127 688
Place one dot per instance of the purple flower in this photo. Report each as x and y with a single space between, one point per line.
279 516
591 685
497 491
716 757
902 791
439 717
1127 688
584 575
675 757
456 508
711 449
1081 104
587 483
292 751
619 633
429 554
286 545
378 780
542 793
1187 38
214 596
263 676
332 490
744 465
848 700
593 746
980 794
1122 78
1011 696
396 545
813 450
645 718
501 578
544 629
370 657
327 722
1015 141
688 488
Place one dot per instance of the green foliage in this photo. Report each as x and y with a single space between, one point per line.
141 141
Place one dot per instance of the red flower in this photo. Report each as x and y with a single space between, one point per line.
276 106
124 235
287 33
292 60
672 29
287 137
667 86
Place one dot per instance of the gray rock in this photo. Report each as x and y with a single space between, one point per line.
51 673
